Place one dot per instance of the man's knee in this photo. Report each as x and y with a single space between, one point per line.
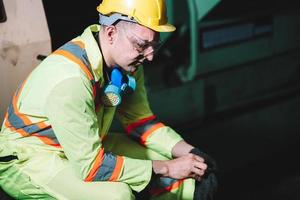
122 192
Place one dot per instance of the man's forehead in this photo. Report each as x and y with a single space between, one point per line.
145 33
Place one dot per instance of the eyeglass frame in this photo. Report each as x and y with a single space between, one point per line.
137 45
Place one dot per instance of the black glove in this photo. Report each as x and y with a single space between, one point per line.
206 188
211 163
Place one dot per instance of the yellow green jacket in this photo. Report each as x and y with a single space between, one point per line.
58 108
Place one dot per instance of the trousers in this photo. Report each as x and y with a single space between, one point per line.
42 174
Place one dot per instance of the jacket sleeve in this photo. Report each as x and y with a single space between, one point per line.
142 125
71 112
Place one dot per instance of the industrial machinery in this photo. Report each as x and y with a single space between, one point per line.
238 54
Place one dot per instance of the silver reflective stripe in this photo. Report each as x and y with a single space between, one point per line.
107 167
138 132
111 19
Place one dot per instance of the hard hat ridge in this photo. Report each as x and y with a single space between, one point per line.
113 18
149 13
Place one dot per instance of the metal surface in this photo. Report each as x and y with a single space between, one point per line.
23 36
196 11
255 61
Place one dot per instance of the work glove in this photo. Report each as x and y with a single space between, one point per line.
206 188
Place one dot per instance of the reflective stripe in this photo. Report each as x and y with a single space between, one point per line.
8 125
164 184
118 169
75 59
134 125
96 165
48 133
107 167
79 43
142 129
20 123
149 131
47 141
14 120
75 52
78 55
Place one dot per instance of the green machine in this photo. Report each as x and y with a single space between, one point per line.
224 55
186 15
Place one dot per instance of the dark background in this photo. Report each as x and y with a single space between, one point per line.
256 145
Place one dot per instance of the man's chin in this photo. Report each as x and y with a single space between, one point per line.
130 68
133 68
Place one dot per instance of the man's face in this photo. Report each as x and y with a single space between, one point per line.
134 45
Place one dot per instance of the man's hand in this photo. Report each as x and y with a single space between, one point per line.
187 166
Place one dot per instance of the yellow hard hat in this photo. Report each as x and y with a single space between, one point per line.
149 13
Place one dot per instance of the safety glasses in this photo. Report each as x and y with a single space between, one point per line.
143 47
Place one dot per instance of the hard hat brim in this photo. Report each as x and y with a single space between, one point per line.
163 28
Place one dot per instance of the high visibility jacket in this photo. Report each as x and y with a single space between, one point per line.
58 108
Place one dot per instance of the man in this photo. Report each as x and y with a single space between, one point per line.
54 140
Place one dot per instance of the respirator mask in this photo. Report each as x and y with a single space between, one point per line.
119 85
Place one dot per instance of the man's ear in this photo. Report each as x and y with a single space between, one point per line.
110 33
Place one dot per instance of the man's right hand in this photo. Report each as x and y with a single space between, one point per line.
187 166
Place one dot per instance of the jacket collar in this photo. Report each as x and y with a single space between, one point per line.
93 51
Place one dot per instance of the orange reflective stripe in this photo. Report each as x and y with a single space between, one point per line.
158 191
23 117
97 163
79 43
118 169
174 186
76 60
150 131
46 140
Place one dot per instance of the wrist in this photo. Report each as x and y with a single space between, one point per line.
160 167
181 149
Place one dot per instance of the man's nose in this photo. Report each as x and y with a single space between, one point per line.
149 56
